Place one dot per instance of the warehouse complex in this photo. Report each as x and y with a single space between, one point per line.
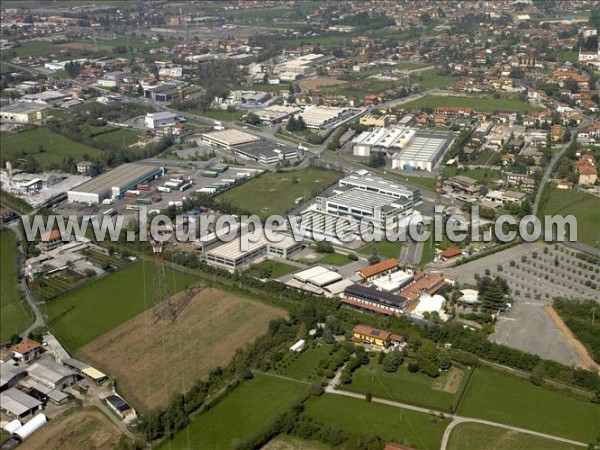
411 149
230 255
114 183
266 152
323 117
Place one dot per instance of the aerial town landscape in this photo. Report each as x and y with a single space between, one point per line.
300 225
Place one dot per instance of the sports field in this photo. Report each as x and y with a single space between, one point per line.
241 414
406 387
85 314
585 207
81 428
500 397
354 415
56 147
478 104
475 436
150 361
276 192
14 313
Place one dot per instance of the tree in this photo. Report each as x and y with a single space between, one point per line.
374 258
377 159
252 119
493 296
368 396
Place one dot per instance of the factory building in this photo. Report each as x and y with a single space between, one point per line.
114 183
323 117
161 119
265 152
276 113
384 212
230 256
373 300
388 140
19 112
371 183
423 152
228 139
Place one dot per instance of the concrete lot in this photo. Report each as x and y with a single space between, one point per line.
534 282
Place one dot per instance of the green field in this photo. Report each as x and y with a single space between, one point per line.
241 414
478 104
56 146
334 259
276 269
304 365
476 436
401 386
85 314
476 174
354 415
277 192
430 79
585 207
289 442
504 398
428 249
386 249
115 136
14 314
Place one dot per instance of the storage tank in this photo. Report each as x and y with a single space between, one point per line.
32 426
13 426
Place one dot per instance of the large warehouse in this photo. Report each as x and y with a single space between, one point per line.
265 152
230 256
423 152
228 138
382 140
323 117
114 183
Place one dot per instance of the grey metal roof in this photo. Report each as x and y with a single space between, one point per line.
17 402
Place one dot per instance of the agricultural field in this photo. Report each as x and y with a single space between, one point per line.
320 82
276 192
80 428
239 415
583 206
478 104
14 313
140 354
274 269
56 147
403 386
504 398
385 249
354 415
476 436
85 314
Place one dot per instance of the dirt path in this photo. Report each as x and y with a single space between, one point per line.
588 362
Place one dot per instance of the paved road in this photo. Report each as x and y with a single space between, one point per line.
39 318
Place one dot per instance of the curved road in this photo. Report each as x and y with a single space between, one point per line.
456 420
39 318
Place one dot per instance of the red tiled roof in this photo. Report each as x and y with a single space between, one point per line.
378 268
25 346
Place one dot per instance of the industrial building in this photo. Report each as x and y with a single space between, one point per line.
323 117
372 300
230 256
319 280
18 112
388 140
114 183
44 98
266 152
228 138
320 225
423 152
364 181
303 65
161 119
276 113
384 212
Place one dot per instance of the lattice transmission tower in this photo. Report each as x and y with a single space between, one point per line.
162 309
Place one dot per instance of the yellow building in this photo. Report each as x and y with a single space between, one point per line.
374 121
21 113
365 334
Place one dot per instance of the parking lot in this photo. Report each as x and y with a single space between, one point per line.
536 273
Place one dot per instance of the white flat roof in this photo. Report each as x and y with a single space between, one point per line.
231 137
318 275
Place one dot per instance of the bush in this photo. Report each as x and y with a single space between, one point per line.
413 367
353 256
